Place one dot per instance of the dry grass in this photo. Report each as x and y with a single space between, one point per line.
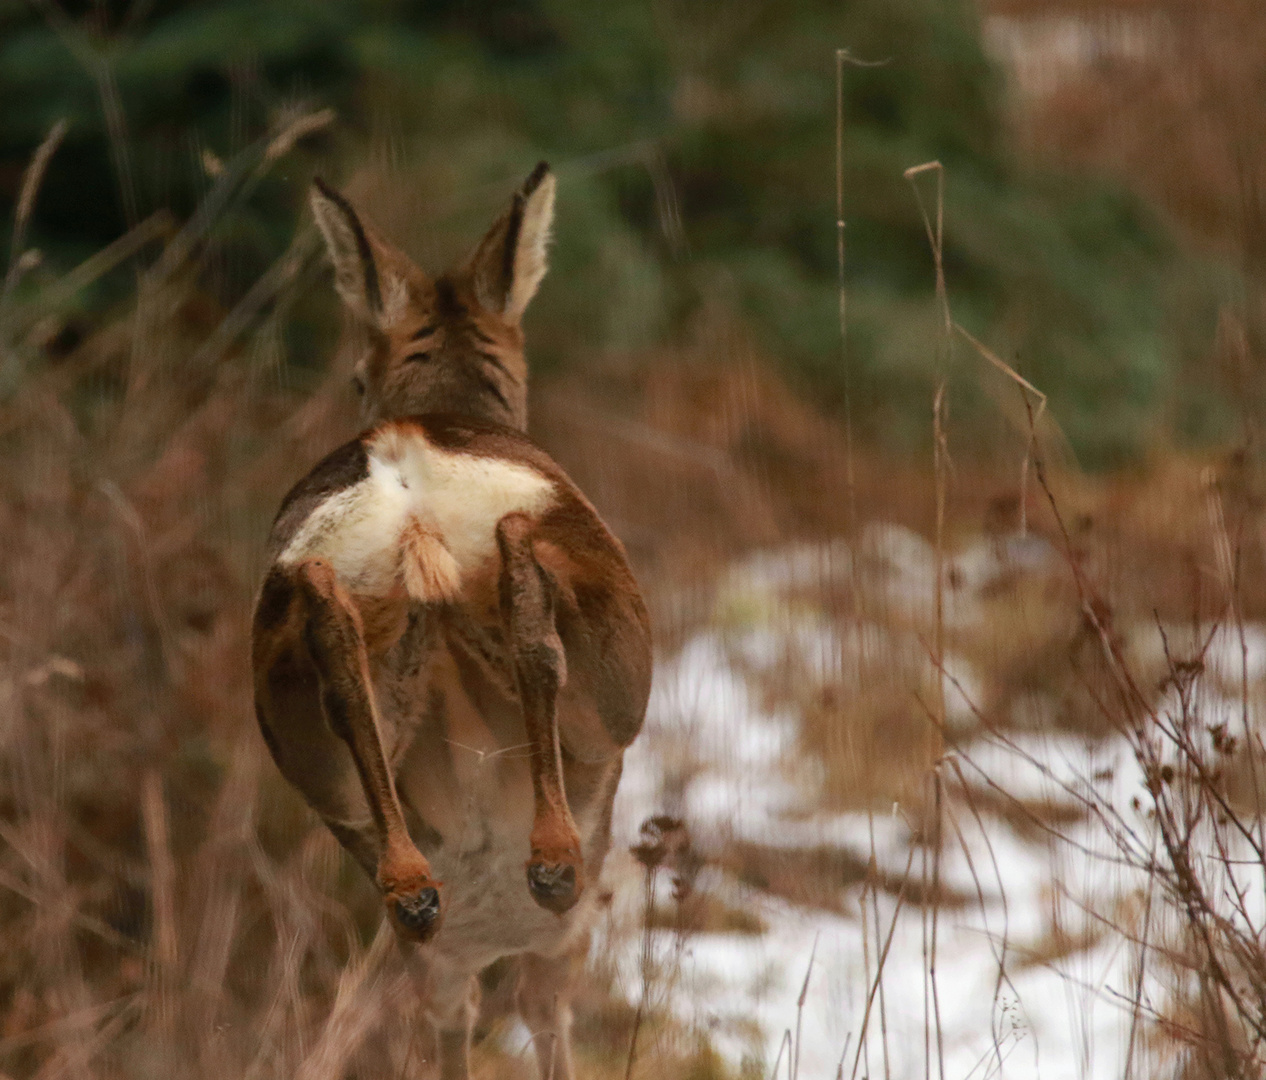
1204 855
168 906
1174 74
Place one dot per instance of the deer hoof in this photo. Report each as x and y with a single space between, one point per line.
418 916
555 888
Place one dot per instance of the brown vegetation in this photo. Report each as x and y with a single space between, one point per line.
168 905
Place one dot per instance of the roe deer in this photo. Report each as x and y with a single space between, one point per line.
450 652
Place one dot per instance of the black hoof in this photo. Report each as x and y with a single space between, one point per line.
553 887
418 914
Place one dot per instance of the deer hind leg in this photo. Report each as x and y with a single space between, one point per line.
544 1002
332 636
287 697
555 870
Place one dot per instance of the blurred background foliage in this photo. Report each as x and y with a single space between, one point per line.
695 145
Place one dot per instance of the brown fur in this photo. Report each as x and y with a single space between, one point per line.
463 712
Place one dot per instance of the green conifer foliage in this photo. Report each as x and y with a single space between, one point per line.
695 144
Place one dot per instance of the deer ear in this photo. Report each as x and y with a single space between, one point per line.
511 259
355 271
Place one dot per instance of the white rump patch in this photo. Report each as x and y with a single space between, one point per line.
418 502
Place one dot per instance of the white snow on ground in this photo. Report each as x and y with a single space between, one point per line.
731 767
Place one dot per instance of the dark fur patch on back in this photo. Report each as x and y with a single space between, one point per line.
342 468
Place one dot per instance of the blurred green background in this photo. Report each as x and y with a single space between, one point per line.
695 144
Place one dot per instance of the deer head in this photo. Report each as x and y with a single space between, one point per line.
450 344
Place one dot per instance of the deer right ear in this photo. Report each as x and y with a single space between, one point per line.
355 272
511 259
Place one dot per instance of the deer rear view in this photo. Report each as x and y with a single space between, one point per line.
450 651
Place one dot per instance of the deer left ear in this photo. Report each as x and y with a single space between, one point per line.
370 275
355 272
511 259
